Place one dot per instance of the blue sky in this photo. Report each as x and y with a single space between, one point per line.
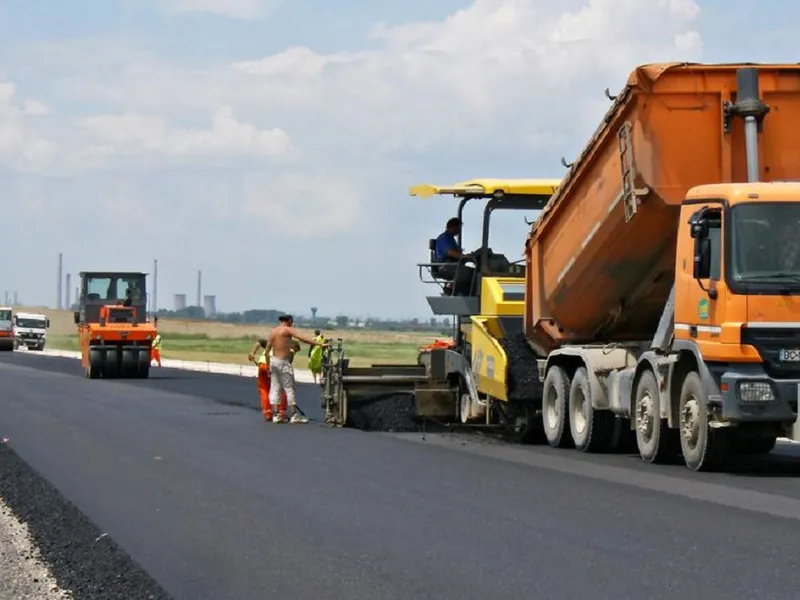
271 144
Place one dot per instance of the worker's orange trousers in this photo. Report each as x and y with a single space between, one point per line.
264 381
156 356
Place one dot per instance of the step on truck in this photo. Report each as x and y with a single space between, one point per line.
662 277
114 333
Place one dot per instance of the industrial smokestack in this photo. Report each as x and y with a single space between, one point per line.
68 283
154 303
16 299
199 279
60 275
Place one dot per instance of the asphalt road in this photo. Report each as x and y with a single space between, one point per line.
214 503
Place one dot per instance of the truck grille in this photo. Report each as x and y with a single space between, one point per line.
769 343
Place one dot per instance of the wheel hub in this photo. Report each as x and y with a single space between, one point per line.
645 417
690 421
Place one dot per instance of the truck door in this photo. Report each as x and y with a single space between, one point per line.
700 308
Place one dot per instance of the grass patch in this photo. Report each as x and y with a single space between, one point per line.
234 350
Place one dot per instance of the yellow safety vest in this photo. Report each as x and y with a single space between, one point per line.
157 341
262 360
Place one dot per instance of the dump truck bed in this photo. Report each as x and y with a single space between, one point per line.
600 257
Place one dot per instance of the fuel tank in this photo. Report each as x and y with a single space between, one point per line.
601 256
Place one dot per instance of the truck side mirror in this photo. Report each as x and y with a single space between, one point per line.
77 316
699 229
47 323
15 320
702 258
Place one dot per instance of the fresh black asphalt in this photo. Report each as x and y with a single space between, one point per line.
212 502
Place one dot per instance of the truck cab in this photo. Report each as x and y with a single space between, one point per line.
6 328
30 330
736 297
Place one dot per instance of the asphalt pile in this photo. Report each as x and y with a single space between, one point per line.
83 561
523 370
391 411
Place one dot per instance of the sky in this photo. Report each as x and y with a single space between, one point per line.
271 143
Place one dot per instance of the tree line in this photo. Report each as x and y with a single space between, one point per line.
270 317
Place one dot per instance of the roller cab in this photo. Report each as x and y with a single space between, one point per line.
114 334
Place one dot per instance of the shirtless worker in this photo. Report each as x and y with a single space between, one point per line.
280 343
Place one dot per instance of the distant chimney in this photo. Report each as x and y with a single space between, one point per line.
60 275
68 285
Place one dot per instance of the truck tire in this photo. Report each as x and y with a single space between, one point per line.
657 443
704 448
555 408
592 430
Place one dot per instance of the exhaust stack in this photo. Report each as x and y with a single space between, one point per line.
750 108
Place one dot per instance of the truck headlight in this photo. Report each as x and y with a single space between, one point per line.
755 392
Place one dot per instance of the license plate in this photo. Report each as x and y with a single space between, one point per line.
790 355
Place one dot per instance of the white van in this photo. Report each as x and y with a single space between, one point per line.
30 330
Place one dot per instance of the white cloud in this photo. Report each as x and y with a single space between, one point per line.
237 9
501 87
34 108
21 146
301 205
137 134
510 65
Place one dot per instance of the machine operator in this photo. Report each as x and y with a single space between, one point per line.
448 251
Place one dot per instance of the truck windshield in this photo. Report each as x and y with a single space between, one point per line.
5 314
766 243
30 323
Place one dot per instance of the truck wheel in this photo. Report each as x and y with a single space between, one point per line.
704 448
592 430
657 443
555 412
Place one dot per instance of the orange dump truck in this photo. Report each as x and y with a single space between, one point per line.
663 275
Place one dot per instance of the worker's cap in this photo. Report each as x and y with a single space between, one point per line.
453 222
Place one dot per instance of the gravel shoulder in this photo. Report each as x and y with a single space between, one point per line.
49 550
23 573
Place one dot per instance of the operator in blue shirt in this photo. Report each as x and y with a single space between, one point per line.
447 251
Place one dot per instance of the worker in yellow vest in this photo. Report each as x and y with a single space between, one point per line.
315 355
264 381
156 349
